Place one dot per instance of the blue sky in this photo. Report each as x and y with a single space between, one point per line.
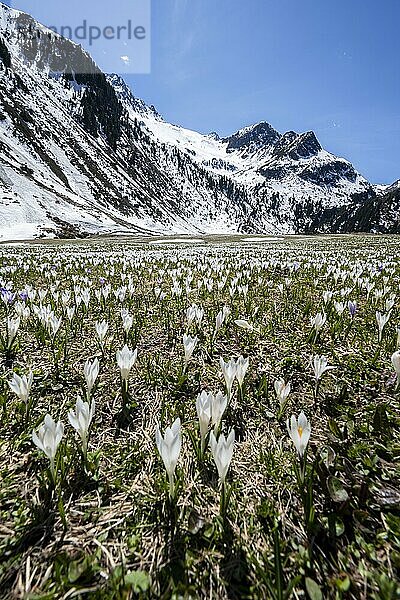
331 66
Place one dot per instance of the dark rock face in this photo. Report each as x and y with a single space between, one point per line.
305 146
278 173
252 139
329 174
213 135
295 146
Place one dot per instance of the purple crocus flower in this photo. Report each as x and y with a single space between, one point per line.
352 306
7 296
24 296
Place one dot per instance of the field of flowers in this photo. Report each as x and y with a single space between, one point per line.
202 421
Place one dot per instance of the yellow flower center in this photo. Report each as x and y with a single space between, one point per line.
300 431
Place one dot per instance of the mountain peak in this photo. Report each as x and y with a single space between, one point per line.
252 138
213 135
297 146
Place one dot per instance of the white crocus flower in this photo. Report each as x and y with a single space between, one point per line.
218 407
189 344
318 321
396 365
229 372
219 321
389 304
127 322
12 330
203 407
191 314
199 315
54 324
244 324
299 431
81 420
282 390
381 319
101 330
126 358
242 364
21 386
65 298
320 366
221 318
222 451
339 307
169 448
91 372
42 295
48 438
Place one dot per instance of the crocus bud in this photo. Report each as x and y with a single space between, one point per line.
189 344
48 438
191 314
203 407
282 391
381 319
242 364
54 324
229 373
218 407
21 386
101 330
352 306
126 358
91 371
127 322
12 330
318 321
244 324
222 451
81 420
169 448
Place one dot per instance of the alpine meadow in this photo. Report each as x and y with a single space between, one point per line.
143 456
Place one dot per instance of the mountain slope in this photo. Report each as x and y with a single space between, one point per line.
80 155
281 181
379 214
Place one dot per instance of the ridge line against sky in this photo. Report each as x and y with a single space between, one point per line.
327 66
330 67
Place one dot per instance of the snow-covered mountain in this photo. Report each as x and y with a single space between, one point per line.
80 154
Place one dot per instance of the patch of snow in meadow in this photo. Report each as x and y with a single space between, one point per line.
261 239
177 241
